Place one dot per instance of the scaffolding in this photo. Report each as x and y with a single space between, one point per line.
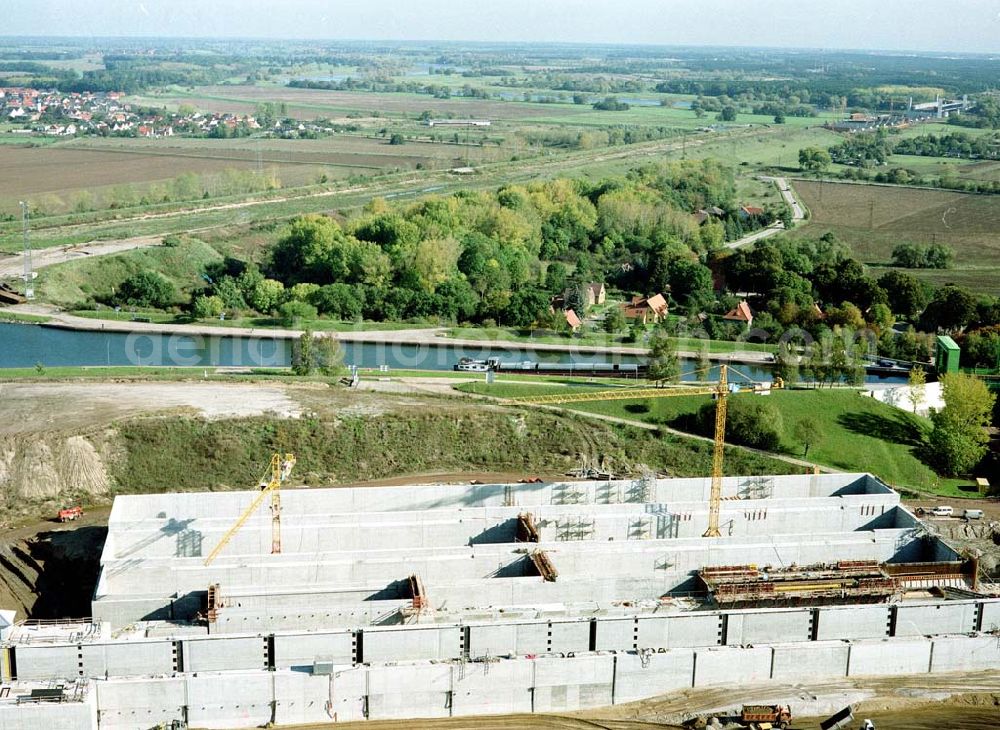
861 581
576 528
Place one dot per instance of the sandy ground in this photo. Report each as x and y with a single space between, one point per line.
12 266
956 702
32 407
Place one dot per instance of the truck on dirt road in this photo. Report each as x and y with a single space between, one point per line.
70 513
766 717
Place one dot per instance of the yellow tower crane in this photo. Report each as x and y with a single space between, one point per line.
281 467
719 390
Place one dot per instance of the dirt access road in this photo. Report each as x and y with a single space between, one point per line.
12 265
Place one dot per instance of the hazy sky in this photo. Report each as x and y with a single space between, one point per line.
939 25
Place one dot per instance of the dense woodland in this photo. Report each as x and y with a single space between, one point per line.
499 257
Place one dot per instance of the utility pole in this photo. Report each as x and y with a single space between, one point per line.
871 214
29 286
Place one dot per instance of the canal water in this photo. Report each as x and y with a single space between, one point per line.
23 345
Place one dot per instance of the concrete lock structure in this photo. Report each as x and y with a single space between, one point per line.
435 601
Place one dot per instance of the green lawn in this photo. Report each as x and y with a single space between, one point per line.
26 318
859 433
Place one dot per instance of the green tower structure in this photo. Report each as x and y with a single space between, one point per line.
948 354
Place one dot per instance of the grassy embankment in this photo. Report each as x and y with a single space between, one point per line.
858 433
187 454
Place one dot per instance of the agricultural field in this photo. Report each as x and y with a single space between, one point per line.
874 219
337 105
53 177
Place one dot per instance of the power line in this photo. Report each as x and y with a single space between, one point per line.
29 287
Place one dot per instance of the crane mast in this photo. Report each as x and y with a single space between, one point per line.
280 468
718 454
721 392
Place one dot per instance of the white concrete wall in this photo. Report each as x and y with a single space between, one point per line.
576 683
403 691
63 716
128 658
298 650
417 642
938 618
47 662
853 622
545 684
889 656
965 653
724 665
230 700
899 397
492 688
225 653
660 674
140 703
768 627
816 660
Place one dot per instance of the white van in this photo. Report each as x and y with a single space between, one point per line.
942 511
973 514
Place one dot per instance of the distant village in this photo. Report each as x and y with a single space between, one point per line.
58 114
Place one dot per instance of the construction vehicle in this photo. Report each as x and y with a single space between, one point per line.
839 720
280 468
70 513
721 391
766 717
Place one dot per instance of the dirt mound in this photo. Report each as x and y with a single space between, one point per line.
40 467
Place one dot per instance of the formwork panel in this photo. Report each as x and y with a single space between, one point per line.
224 653
47 662
573 683
941 618
965 653
301 650
229 701
637 677
492 688
768 627
412 643
889 656
731 665
128 658
409 691
810 660
853 622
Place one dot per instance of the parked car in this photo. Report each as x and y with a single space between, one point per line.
973 514
942 511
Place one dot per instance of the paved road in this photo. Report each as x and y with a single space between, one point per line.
798 214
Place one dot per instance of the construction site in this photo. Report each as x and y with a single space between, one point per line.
435 601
